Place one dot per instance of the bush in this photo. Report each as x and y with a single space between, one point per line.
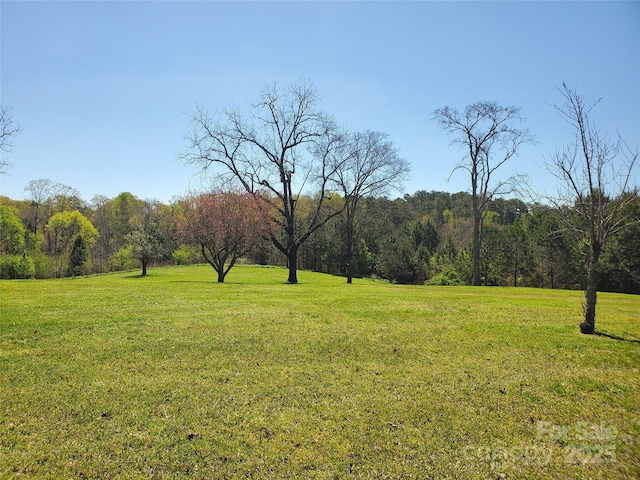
447 277
17 266
185 255
123 259
43 264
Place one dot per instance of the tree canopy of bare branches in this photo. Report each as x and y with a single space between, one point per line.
595 175
370 165
283 147
490 136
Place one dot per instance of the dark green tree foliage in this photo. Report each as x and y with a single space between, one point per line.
405 256
518 258
363 260
492 254
77 257
620 262
424 239
323 252
395 262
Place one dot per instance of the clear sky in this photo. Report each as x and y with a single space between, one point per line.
102 89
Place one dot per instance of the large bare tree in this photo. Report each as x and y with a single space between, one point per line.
281 149
595 173
490 136
8 130
370 165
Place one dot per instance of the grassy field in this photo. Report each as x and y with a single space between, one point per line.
174 375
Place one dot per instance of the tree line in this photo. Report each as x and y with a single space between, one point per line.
421 238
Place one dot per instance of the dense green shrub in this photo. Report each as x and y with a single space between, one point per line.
447 277
185 255
123 259
17 266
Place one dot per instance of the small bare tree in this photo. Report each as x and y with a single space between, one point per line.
595 172
8 130
283 148
488 133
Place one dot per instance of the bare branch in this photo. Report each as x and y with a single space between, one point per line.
274 152
595 176
8 131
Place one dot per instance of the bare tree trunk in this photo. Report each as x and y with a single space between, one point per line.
476 245
215 260
292 261
590 294
592 162
349 248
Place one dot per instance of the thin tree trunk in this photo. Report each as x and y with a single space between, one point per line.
349 256
477 278
144 268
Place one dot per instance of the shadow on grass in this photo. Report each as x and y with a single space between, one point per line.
230 282
139 275
617 337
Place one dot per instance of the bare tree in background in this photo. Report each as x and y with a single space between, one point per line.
48 198
8 130
40 191
370 166
595 172
282 148
490 137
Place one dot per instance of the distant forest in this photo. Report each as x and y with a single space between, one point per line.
416 239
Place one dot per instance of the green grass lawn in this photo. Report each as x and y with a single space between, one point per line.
174 375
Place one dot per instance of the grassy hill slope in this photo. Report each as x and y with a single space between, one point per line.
174 375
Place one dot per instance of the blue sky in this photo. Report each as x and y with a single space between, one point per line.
102 89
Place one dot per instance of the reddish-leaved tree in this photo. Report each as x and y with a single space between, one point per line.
226 226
